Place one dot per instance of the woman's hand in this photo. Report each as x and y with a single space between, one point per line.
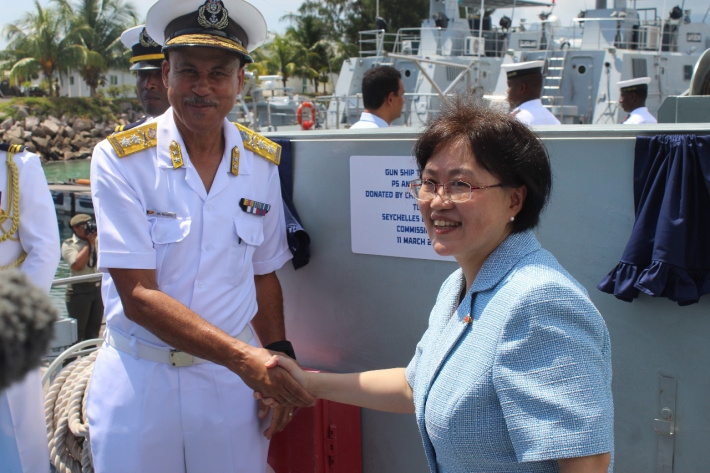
289 365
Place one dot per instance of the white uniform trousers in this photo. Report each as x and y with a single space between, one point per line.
23 431
146 416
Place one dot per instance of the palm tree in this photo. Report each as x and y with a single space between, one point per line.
37 43
308 38
96 26
278 57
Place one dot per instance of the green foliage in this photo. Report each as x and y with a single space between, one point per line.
38 43
84 36
87 107
326 32
96 25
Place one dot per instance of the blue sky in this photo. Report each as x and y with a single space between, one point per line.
273 10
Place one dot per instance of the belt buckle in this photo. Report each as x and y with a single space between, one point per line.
180 358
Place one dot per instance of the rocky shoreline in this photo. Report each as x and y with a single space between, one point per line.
62 138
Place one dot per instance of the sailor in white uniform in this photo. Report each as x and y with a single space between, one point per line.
524 91
28 241
632 98
190 218
146 61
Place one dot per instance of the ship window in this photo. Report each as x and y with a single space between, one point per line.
407 73
71 80
687 72
638 68
582 69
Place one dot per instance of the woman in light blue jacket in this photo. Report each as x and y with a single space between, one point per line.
514 371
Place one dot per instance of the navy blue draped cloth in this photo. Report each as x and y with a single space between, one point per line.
668 253
298 239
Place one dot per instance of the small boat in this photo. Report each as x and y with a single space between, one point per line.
72 197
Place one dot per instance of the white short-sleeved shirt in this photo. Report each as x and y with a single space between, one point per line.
533 112
369 120
38 239
204 247
23 441
640 116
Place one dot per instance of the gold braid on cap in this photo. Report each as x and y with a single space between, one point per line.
13 206
207 40
147 57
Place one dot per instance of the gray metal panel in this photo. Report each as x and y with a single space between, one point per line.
681 109
349 312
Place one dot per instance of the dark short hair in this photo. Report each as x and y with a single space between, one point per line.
501 144
377 83
641 93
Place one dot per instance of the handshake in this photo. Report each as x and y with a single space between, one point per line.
293 392
290 386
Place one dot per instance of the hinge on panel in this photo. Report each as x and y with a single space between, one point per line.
664 425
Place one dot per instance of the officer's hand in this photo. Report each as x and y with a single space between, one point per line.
275 383
92 238
280 418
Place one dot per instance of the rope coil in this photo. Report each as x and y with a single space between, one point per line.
65 415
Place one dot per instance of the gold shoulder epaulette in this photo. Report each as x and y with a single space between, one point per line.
137 139
260 145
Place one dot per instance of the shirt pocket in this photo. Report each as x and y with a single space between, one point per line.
248 235
166 234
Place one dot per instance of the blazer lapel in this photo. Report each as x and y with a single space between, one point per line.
457 327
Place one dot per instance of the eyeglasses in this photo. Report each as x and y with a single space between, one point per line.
454 191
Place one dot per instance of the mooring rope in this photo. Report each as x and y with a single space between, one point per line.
65 414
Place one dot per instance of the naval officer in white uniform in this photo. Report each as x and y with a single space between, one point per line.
29 241
524 91
191 223
632 99
147 62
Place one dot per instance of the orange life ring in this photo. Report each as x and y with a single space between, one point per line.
307 122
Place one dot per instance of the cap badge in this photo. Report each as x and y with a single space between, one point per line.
213 14
146 41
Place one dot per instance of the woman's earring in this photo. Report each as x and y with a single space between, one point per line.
512 219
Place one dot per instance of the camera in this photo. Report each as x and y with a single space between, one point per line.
90 227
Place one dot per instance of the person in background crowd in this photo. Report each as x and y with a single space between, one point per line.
191 225
27 317
524 92
146 61
83 299
382 96
632 98
513 373
29 241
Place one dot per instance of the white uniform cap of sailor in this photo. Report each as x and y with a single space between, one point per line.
146 53
634 84
518 69
232 25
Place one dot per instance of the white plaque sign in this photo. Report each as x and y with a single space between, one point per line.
384 217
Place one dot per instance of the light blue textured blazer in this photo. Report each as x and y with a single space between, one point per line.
523 381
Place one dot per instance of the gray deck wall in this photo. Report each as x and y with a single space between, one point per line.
352 312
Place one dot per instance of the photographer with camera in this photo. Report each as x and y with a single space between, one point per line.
83 299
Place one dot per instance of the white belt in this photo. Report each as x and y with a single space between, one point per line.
136 347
